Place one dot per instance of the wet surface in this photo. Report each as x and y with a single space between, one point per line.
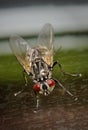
57 111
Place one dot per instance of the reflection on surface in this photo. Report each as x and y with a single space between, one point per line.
56 111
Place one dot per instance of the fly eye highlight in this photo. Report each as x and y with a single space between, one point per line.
37 87
51 82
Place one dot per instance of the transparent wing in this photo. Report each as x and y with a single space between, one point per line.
45 43
21 50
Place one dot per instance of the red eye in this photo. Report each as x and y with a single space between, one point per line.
37 87
51 82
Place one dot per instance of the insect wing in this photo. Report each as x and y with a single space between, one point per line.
20 48
45 43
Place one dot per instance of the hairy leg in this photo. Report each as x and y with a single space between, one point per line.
63 87
25 80
65 73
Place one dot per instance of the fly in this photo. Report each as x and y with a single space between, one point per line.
37 61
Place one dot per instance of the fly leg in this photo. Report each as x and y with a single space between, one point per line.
25 80
37 103
69 93
19 92
63 87
65 73
37 100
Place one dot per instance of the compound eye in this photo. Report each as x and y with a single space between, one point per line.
37 87
51 82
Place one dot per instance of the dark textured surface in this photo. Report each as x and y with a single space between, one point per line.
57 111
55 118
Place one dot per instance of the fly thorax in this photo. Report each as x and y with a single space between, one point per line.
43 72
